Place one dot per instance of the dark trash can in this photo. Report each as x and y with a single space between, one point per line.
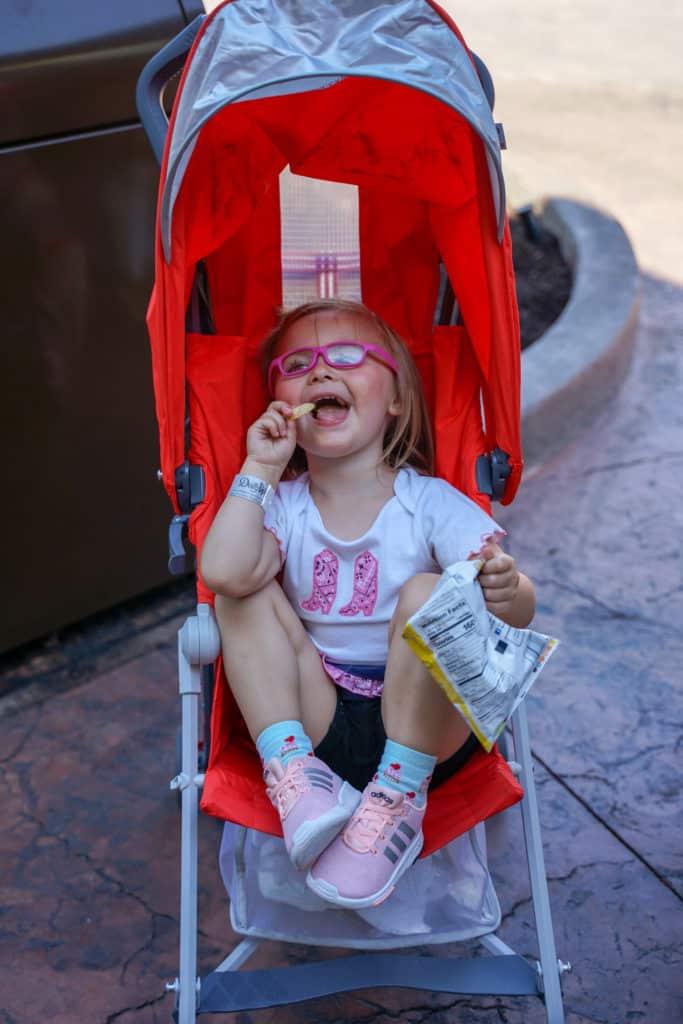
85 519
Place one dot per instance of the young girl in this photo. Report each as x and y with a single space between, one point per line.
351 728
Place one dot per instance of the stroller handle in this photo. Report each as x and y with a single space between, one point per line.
154 78
157 73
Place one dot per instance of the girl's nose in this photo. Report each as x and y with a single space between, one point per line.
319 368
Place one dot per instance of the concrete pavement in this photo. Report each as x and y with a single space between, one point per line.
591 96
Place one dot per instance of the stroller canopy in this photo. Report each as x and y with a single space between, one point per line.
266 48
384 97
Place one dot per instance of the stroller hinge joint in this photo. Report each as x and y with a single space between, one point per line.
199 640
174 986
562 967
181 781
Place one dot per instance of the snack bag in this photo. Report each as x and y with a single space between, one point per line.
484 666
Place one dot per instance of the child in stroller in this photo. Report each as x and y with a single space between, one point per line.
360 530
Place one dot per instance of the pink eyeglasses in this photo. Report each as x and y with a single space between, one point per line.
340 355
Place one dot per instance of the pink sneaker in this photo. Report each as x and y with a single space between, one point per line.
313 804
363 864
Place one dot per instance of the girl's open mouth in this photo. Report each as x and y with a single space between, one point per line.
330 410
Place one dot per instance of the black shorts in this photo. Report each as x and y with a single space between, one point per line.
353 745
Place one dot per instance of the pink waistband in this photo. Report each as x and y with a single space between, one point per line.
355 684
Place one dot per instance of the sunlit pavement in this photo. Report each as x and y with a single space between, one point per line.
591 96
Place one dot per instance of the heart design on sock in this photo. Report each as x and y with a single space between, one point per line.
410 795
395 767
289 739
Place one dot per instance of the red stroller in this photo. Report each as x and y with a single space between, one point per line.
346 148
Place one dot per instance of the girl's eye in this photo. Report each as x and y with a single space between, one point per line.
298 362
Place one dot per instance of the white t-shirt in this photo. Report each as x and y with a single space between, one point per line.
345 591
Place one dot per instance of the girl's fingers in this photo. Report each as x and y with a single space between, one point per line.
500 587
275 423
491 550
284 407
279 413
500 595
498 563
493 568
498 580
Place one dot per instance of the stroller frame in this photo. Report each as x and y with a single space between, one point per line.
226 989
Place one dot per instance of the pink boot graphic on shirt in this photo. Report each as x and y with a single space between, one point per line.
325 576
364 595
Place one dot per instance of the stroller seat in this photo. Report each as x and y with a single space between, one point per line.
386 103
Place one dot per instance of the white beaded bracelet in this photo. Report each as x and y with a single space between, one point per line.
253 489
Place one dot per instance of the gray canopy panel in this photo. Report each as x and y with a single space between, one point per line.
253 48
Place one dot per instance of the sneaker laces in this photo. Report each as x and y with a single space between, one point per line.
284 793
366 826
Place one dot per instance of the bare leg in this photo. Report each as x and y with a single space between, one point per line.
274 670
416 711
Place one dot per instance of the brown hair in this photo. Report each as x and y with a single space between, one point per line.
408 439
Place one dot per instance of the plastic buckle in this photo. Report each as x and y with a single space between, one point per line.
492 472
190 487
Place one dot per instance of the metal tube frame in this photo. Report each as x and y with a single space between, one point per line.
198 645
549 968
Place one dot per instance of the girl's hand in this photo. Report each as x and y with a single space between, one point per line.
499 579
271 440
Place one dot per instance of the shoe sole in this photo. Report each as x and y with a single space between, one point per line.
311 838
330 893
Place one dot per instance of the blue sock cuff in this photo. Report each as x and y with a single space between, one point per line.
406 769
284 740
407 755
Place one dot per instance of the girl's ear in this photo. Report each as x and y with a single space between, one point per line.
395 406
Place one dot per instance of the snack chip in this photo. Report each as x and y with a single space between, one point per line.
301 410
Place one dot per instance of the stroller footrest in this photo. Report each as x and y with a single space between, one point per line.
232 991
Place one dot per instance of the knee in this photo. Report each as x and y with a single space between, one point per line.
412 596
262 612
233 613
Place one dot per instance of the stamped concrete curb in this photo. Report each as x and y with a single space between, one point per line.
578 364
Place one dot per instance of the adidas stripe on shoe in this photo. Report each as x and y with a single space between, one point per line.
313 804
361 867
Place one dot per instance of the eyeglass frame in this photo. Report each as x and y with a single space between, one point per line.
321 350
